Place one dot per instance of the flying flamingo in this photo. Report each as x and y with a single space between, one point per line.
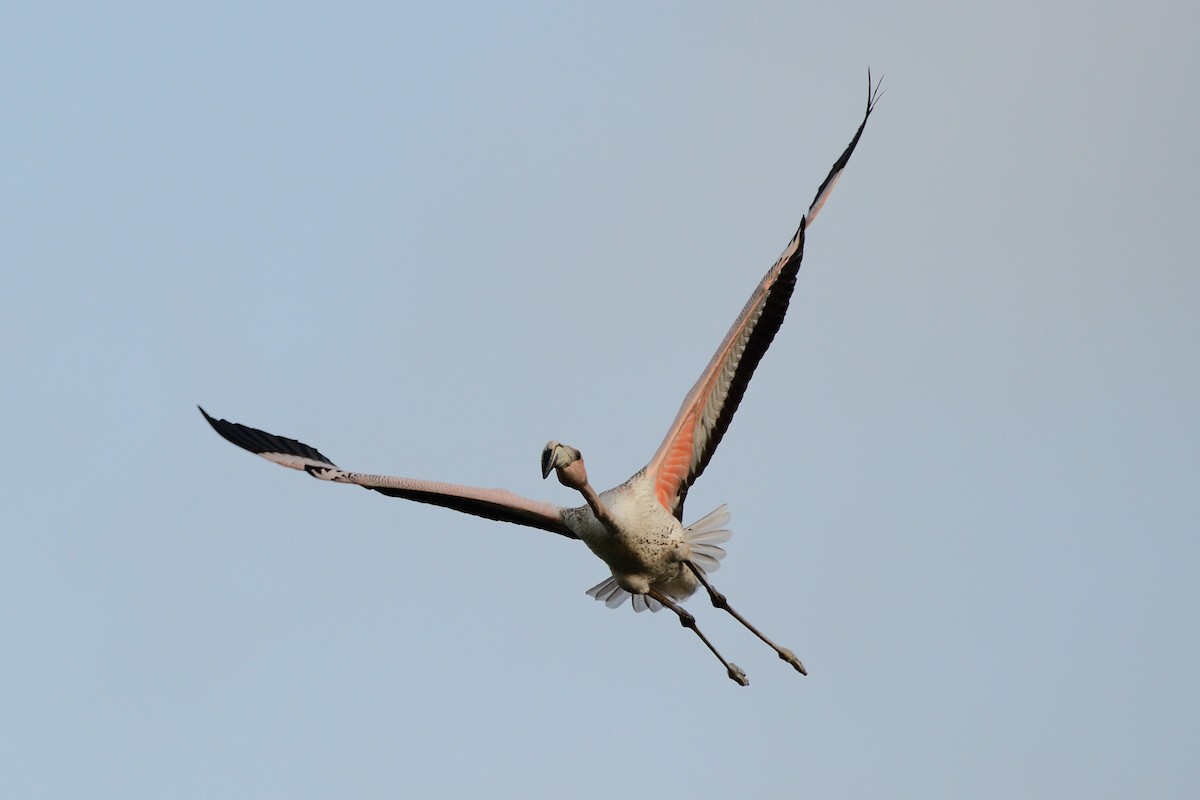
635 528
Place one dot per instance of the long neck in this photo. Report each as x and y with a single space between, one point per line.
598 508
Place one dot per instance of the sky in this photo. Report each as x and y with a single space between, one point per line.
428 238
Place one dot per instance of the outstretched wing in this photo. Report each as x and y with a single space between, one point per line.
497 504
709 406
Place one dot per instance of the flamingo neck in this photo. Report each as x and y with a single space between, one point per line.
598 508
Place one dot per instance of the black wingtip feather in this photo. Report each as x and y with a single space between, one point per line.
874 92
260 442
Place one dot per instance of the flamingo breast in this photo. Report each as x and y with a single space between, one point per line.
646 549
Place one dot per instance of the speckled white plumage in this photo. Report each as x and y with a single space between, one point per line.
645 548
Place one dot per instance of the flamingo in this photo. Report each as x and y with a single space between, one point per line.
635 528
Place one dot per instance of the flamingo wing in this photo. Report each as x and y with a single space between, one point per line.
709 406
497 504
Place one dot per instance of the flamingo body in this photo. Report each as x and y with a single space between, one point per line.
646 547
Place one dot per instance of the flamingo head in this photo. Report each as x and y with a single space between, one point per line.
567 462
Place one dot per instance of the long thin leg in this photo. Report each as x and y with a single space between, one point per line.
719 601
688 621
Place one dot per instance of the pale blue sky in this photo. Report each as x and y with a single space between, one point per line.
964 481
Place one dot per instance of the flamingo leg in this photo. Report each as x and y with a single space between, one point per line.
688 621
719 601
